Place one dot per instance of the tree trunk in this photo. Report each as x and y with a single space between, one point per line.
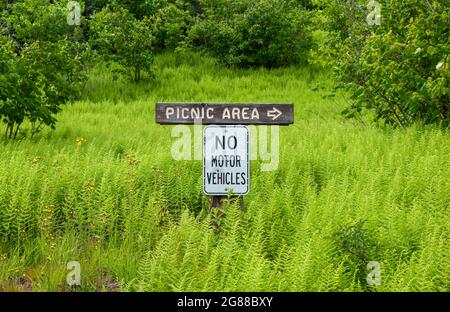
17 130
11 127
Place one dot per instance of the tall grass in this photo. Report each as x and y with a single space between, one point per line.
103 190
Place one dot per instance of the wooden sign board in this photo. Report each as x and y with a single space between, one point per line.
226 163
225 113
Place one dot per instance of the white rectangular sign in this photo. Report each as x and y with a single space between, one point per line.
226 163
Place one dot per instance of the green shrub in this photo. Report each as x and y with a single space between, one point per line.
43 64
139 9
171 24
355 243
252 33
121 38
399 69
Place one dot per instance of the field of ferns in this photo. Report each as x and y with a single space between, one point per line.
104 190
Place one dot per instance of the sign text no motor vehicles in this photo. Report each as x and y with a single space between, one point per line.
226 163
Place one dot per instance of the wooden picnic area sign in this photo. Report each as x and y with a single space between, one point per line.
225 113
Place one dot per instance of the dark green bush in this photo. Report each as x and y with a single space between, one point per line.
43 63
121 38
399 69
171 24
251 33
357 245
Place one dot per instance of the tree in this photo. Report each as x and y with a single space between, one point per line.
43 64
252 33
172 22
123 39
398 69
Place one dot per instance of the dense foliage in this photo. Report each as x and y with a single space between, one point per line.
43 64
398 69
247 33
123 39
172 24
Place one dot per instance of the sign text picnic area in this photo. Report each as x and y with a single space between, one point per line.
225 113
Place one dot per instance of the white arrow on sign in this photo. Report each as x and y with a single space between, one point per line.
275 113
